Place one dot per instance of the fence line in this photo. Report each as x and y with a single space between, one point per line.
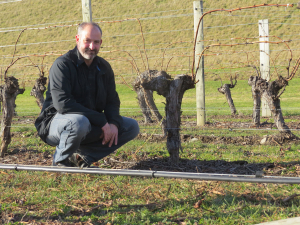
145 18
130 15
192 109
10 1
209 40
184 128
258 16
70 25
135 50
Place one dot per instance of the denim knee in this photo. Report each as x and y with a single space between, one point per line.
135 128
132 128
80 125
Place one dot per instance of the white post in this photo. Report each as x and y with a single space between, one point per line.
200 86
86 10
264 48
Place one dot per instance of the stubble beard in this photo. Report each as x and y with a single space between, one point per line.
88 54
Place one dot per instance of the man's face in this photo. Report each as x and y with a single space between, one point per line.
89 42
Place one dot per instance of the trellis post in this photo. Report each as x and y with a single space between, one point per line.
86 10
264 48
200 86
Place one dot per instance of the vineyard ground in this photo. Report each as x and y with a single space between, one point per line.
227 145
189 134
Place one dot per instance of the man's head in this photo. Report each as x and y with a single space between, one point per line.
89 39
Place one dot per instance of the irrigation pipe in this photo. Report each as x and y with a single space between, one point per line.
155 174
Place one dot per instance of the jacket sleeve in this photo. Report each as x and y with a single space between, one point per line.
63 100
112 107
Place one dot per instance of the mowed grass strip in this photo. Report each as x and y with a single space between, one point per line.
70 198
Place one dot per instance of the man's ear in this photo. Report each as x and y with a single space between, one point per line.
77 38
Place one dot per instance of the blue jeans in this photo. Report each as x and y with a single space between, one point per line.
72 133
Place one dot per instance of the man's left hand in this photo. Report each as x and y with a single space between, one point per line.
114 136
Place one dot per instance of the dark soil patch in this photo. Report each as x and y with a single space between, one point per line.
26 156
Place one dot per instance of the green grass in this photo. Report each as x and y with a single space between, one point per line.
127 200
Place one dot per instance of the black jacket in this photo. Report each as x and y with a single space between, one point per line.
67 93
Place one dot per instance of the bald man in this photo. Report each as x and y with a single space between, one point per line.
80 115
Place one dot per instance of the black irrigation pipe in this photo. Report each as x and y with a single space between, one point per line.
258 178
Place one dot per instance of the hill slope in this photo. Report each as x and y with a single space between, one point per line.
163 22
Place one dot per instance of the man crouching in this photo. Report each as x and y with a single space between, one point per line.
80 115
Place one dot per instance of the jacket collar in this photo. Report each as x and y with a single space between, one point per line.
76 57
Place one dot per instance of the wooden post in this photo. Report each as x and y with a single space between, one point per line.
200 86
86 10
264 48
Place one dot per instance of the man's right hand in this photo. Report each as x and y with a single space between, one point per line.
106 134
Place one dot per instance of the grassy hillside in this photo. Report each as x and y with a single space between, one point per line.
163 22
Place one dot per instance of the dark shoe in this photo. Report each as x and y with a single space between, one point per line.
77 160
64 163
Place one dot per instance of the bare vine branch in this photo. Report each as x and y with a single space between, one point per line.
227 10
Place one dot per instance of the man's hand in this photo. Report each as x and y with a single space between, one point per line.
109 134
114 136
106 134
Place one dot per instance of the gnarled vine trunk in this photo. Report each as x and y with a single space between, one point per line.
256 100
225 89
143 105
38 91
172 90
19 92
9 92
145 98
271 92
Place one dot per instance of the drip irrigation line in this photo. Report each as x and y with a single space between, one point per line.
258 178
